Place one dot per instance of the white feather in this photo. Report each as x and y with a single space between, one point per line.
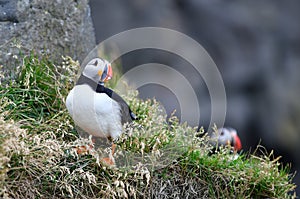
95 113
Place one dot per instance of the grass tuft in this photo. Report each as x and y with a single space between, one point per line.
157 157
36 98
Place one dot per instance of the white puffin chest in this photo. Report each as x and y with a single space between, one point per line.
95 113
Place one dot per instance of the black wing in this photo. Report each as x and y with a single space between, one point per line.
126 114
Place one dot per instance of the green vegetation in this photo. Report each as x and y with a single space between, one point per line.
156 157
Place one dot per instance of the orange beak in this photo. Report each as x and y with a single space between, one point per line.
109 73
237 142
106 74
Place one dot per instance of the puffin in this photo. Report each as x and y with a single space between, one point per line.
226 136
96 109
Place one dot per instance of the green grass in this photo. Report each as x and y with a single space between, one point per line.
156 157
36 97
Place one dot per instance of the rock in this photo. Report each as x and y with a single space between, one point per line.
7 10
58 27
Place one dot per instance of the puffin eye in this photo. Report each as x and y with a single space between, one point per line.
96 63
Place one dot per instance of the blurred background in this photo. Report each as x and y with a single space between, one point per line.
256 46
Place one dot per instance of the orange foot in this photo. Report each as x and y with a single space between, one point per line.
108 161
84 149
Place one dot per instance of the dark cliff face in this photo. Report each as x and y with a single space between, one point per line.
8 10
255 46
53 27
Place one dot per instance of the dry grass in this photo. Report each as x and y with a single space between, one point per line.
156 157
